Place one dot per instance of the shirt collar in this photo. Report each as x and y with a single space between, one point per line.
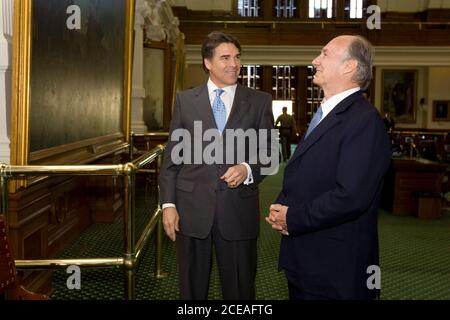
228 89
329 104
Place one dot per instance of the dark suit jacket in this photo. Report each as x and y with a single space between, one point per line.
332 187
196 189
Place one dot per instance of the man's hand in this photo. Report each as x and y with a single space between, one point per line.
277 218
170 222
235 175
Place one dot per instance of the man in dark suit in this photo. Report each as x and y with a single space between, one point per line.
327 209
287 129
207 201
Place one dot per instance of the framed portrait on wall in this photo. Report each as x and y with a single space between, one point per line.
71 82
441 110
399 94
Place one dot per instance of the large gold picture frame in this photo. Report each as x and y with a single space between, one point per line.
77 107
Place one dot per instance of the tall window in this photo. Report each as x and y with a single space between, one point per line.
285 8
249 8
354 9
283 82
250 76
320 8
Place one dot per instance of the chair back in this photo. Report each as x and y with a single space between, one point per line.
7 266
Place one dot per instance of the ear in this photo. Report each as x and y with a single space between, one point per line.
207 63
350 65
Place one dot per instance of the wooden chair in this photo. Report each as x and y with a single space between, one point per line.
8 275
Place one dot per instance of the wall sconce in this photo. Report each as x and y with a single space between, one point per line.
422 104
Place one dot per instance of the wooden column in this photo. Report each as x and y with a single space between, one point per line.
339 12
267 8
302 9
302 85
266 83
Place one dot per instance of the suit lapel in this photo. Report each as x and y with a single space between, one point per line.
238 108
330 121
326 124
203 107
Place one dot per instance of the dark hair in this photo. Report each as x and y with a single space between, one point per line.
213 40
362 51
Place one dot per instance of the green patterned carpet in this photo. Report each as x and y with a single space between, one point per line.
415 260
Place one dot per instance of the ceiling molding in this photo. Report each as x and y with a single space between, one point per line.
303 55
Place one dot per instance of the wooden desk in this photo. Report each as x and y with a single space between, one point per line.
407 177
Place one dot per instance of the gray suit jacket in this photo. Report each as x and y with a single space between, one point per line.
196 189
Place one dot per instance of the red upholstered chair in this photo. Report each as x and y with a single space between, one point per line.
8 279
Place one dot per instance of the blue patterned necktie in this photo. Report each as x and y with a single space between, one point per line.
218 107
314 121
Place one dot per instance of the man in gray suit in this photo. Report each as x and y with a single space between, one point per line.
206 202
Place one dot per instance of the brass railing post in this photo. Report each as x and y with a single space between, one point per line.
159 227
129 232
131 249
131 145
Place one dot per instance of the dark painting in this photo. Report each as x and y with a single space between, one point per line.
441 110
399 91
76 75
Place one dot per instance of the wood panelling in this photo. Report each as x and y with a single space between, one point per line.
43 219
105 194
441 15
431 27
258 33
47 216
407 177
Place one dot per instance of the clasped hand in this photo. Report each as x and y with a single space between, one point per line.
277 218
235 175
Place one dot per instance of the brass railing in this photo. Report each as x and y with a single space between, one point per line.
132 250
418 133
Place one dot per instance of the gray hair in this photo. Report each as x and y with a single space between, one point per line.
362 51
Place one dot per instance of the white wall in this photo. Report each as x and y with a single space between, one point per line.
154 88
194 76
438 89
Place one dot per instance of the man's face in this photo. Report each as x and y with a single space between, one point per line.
330 63
224 65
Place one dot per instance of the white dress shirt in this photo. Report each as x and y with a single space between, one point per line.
329 104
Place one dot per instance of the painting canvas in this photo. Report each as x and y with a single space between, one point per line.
76 74
399 92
